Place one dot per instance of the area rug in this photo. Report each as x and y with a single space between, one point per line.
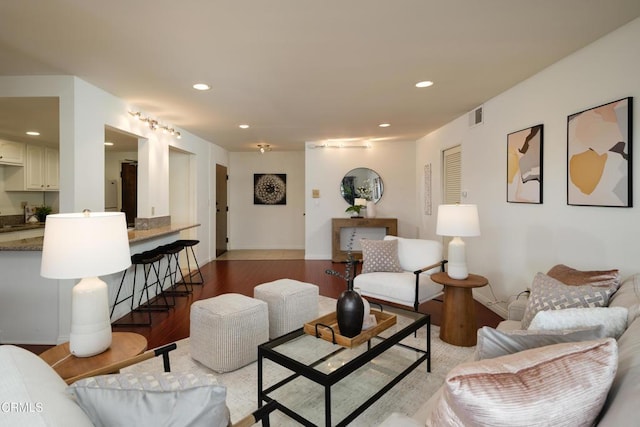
406 397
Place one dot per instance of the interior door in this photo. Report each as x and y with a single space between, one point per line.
221 209
129 175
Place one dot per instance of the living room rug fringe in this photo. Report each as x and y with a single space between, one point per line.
406 397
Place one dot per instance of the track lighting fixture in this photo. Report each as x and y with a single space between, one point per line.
154 124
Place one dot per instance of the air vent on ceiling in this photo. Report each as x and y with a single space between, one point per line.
476 117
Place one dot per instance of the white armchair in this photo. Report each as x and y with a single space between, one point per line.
412 286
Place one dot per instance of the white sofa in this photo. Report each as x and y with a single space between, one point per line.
32 394
36 391
620 407
412 286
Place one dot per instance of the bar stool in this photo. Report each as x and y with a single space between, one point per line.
149 261
188 247
157 257
176 287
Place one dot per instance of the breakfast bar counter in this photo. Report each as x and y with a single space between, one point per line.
37 310
135 236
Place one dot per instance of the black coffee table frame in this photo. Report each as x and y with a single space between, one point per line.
268 351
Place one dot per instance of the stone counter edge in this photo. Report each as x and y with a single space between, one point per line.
135 236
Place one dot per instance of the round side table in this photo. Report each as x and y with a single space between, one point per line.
459 325
124 345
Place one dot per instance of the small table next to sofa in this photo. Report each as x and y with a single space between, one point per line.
124 345
459 325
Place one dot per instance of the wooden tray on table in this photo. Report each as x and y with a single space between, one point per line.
326 327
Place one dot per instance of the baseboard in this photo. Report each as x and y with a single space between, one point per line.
499 308
317 256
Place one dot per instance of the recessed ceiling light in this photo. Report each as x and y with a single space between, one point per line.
108 143
243 126
425 83
384 125
33 133
201 86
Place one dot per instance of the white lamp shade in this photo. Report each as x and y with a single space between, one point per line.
85 246
77 245
360 202
458 220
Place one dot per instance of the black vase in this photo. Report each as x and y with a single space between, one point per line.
350 312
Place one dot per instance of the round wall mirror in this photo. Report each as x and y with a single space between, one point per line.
362 183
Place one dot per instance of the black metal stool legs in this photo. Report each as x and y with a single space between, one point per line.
149 262
193 277
153 304
176 287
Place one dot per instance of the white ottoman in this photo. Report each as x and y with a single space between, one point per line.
226 331
291 304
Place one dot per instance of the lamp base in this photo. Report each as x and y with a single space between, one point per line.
90 321
457 260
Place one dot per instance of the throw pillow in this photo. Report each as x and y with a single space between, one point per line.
380 255
571 276
559 385
612 319
628 295
495 343
548 293
163 398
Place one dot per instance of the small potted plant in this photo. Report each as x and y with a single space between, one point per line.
41 212
355 209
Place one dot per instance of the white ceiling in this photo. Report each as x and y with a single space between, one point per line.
301 70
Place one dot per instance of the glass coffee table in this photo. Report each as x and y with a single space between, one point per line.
315 382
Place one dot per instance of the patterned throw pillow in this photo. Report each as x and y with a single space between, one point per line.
555 385
571 276
162 398
380 255
548 293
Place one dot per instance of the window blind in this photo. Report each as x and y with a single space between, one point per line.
452 175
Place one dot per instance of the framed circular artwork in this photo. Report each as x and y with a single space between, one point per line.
270 189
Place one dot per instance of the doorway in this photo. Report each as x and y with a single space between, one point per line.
129 175
221 209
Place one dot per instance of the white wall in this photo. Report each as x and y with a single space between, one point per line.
325 167
266 226
519 240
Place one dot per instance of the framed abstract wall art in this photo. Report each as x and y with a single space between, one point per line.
599 155
524 165
269 188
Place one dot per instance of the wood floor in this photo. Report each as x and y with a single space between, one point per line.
241 276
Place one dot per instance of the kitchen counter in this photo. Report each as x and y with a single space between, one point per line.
20 227
135 236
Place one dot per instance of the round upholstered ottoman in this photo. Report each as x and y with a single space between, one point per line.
226 331
291 304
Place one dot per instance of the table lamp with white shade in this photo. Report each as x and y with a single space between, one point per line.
457 221
84 246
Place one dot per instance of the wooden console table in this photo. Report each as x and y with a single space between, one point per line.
338 255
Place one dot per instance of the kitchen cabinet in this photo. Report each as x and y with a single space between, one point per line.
51 169
40 172
11 153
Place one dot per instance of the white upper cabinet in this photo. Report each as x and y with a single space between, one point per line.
40 173
11 153
52 169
